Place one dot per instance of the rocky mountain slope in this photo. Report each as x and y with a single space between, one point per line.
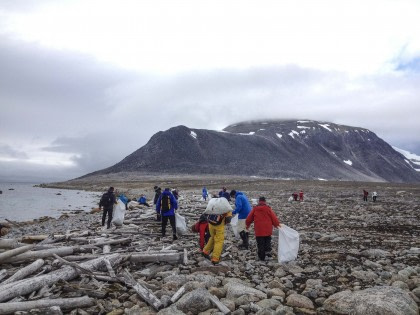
293 149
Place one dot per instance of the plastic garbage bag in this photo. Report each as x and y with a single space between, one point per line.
118 213
218 206
234 226
181 224
288 244
290 199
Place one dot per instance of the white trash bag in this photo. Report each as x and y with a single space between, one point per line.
118 213
288 244
218 206
234 226
181 225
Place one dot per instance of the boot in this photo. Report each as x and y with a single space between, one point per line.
244 236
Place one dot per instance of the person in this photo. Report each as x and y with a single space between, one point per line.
301 195
374 195
107 202
214 245
295 195
142 200
202 227
365 195
205 194
242 209
124 199
224 193
264 219
158 192
166 206
175 193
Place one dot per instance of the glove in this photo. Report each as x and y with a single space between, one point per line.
228 219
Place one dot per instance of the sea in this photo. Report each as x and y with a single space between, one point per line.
24 201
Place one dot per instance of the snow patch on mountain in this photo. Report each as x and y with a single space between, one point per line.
293 133
326 126
193 134
348 162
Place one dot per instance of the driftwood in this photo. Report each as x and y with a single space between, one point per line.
23 287
7 255
73 264
223 308
109 267
178 294
70 303
145 293
169 257
3 274
24 272
80 257
8 243
31 255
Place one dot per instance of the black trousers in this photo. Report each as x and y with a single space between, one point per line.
263 246
171 219
105 212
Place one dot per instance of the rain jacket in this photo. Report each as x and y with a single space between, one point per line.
242 205
142 200
264 219
174 203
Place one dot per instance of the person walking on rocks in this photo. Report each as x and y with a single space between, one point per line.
365 195
142 200
295 195
214 246
374 195
202 227
264 219
242 209
224 193
158 192
205 193
165 207
301 195
107 201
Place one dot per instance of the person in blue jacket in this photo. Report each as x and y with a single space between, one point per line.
142 200
224 193
166 206
205 194
242 209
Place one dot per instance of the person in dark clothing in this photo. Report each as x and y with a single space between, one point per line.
365 195
166 206
107 202
158 192
175 193
295 196
224 193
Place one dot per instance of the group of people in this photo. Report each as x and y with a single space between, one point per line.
295 196
366 194
210 227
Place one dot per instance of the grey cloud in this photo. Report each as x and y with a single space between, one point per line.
9 152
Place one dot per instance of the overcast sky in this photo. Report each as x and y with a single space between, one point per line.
85 83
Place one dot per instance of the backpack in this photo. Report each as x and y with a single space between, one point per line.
165 203
215 219
106 200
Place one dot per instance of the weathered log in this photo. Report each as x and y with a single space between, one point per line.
7 255
69 303
185 260
112 242
223 308
33 238
109 267
80 257
178 294
8 243
145 293
73 264
106 249
31 255
3 274
22 273
156 257
23 287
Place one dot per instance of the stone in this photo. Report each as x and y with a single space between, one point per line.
276 292
235 290
298 300
269 303
172 310
372 301
195 301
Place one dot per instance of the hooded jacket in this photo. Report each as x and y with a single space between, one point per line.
264 219
242 205
174 203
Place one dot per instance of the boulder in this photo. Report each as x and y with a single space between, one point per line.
298 300
237 289
195 301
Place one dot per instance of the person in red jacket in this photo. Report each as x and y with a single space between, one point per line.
301 195
264 219
202 227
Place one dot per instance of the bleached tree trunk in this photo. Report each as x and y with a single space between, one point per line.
23 287
156 257
22 273
31 255
69 303
7 255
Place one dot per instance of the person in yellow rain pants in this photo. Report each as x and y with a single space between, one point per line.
217 236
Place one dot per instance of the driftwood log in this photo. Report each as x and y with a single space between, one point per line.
23 287
169 257
8 243
31 255
7 255
69 303
26 271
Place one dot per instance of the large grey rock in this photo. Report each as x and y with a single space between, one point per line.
298 300
373 301
172 310
195 301
237 289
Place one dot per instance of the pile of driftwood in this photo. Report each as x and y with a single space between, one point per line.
81 270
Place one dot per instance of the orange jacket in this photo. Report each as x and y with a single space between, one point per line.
264 219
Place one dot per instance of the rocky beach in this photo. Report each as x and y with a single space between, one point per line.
355 257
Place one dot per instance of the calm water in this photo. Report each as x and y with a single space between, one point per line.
22 201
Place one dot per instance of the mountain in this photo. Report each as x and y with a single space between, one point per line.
295 149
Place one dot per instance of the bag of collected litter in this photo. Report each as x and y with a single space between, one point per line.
288 244
218 206
181 225
118 213
233 224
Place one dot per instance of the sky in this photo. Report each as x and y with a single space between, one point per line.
85 83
